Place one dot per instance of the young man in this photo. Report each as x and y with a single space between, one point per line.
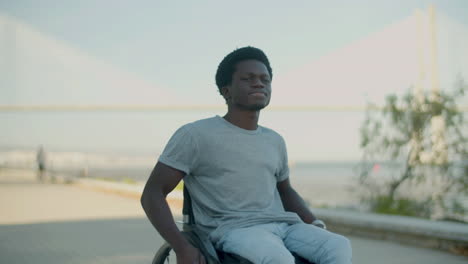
237 174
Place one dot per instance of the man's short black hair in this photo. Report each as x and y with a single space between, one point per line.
228 65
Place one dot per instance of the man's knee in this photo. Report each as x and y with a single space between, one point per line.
339 249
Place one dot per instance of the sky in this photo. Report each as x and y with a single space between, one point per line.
179 44
176 47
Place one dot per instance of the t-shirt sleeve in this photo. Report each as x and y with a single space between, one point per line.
181 151
283 172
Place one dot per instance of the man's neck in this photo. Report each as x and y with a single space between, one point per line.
244 119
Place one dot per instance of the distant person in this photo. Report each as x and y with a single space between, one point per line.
41 163
237 174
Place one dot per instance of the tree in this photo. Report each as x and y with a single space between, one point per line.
422 140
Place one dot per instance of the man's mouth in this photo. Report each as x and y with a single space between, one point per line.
258 94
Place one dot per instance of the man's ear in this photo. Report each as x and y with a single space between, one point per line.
226 93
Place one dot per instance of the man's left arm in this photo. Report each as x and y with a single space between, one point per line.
293 202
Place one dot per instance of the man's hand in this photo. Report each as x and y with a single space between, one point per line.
190 255
319 223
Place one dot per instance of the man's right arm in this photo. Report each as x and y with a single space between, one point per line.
162 181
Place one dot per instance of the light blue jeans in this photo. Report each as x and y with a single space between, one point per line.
273 243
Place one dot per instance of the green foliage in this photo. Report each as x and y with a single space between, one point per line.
383 204
426 134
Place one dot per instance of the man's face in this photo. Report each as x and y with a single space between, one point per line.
251 86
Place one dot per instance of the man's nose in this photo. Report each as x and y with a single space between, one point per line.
257 83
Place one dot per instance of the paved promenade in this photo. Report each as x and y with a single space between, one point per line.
58 223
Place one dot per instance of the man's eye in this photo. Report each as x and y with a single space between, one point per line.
249 79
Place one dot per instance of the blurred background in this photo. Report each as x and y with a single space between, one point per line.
102 85
92 90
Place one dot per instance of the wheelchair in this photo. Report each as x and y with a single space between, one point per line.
166 255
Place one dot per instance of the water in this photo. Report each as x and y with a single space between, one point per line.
138 174
319 183
326 183
149 131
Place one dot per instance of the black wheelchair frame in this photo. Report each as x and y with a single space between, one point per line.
193 235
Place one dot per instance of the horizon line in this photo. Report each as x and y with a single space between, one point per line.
133 107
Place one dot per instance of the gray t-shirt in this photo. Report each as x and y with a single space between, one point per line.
231 174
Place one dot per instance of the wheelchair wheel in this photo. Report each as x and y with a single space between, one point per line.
165 255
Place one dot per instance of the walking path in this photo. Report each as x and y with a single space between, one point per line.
63 223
